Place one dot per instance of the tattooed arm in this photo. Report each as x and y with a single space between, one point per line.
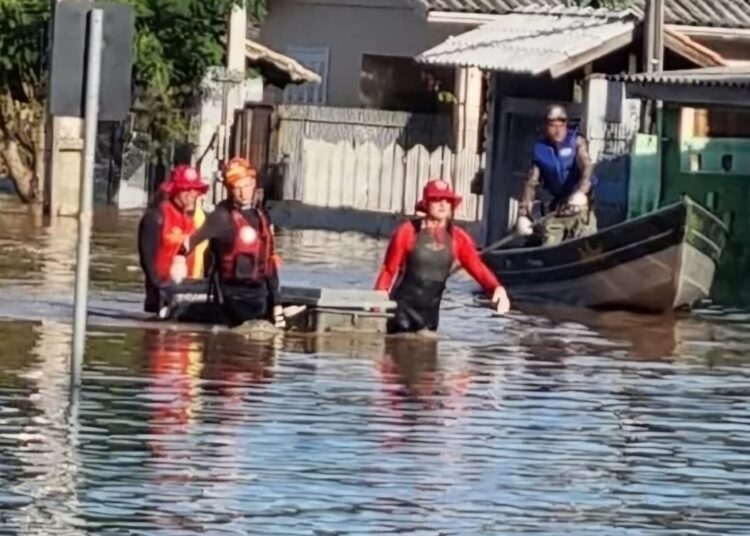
585 165
529 191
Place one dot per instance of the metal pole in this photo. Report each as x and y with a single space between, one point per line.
93 79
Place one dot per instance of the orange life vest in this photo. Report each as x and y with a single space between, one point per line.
175 228
255 245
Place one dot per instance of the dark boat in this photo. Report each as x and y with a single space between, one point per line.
663 261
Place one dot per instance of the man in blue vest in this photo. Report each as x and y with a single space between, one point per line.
562 165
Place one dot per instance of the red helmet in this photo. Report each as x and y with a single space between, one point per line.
437 189
184 178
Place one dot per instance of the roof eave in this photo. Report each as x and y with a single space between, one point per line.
455 17
690 95
279 69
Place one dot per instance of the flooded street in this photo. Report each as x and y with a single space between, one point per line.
543 422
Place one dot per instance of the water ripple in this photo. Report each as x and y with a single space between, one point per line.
543 422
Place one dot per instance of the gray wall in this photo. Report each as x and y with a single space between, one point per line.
351 28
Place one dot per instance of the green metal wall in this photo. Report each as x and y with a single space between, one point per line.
716 173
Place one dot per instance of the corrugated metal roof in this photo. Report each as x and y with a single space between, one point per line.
736 76
719 13
532 43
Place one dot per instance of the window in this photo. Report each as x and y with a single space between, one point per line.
401 84
718 123
315 59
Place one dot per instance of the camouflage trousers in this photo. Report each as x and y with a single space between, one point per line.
559 228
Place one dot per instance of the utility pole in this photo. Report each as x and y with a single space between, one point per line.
653 53
230 79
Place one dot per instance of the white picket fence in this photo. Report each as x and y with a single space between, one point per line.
384 179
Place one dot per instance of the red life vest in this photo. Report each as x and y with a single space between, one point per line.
175 228
254 247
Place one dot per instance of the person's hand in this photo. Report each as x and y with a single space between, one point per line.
575 204
279 320
178 272
184 247
500 301
524 226
578 199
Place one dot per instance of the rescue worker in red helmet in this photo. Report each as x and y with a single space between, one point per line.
419 260
241 241
165 225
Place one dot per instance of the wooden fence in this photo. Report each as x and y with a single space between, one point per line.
387 179
370 159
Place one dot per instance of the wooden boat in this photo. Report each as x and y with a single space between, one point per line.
663 261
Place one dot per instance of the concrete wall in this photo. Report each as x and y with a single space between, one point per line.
351 28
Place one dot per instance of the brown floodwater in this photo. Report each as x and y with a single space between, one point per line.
547 421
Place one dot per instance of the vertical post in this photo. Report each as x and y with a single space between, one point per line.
658 52
649 36
648 58
659 66
93 79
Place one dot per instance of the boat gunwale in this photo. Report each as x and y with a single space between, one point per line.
686 203
603 255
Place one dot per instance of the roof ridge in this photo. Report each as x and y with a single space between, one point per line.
573 11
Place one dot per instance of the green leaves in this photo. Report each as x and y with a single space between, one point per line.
175 43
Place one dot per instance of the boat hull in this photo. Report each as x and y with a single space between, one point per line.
659 262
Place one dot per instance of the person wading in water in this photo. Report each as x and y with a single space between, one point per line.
241 242
163 228
419 260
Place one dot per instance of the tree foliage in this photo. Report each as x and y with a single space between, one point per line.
23 25
176 41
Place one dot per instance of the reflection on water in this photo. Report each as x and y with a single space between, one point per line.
548 421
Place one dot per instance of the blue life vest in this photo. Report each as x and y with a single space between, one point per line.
558 166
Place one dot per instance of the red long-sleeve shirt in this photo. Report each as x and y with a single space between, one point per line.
464 251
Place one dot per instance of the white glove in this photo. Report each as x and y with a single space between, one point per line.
178 272
578 200
500 301
524 226
279 320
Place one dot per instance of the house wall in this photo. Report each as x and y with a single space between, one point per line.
349 29
693 166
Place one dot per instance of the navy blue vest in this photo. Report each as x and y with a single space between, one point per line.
558 166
